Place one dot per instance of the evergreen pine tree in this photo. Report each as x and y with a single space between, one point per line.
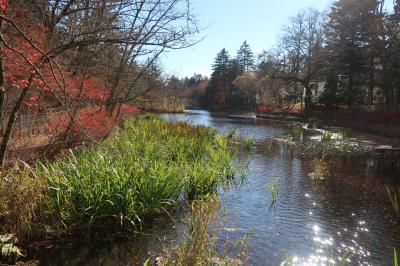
245 58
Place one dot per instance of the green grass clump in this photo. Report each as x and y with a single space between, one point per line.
295 132
273 188
140 172
321 169
395 202
247 142
327 136
198 246
346 133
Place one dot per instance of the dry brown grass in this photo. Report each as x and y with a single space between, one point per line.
21 199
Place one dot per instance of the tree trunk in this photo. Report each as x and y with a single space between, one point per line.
371 84
11 120
2 89
307 99
2 92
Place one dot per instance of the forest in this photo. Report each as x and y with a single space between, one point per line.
348 57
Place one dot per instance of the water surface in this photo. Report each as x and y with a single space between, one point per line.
313 222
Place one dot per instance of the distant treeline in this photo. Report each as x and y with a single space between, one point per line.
348 57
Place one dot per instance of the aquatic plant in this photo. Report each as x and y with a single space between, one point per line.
394 202
345 133
345 146
270 146
295 132
321 169
137 174
314 124
198 246
326 136
231 133
396 261
273 188
140 172
247 142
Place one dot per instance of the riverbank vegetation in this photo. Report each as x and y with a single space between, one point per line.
148 168
71 70
199 246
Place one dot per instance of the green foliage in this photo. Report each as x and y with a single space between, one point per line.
273 188
326 136
321 169
145 170
396 261
346 133
331 97
295 132
245 58
247 142
242 93
223 90
198 247
394 201
270 146
345 146
138 173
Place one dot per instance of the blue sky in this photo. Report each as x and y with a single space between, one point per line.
229 23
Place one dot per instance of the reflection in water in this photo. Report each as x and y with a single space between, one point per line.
312 222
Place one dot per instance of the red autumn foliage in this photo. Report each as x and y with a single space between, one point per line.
3 5
129 109
51 84
263 109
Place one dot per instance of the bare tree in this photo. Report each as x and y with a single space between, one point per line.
299 61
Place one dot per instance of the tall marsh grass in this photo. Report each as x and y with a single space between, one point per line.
247 142
198 246
273 188
140 172
394 202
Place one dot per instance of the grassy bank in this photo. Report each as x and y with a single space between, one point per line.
140 172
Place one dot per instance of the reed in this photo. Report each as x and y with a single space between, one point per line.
321 169
346 133
247 142
137 174
145 170
273 188
394 202
327 136
199 246
396 261
295 132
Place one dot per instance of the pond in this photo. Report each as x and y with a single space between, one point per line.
313 222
